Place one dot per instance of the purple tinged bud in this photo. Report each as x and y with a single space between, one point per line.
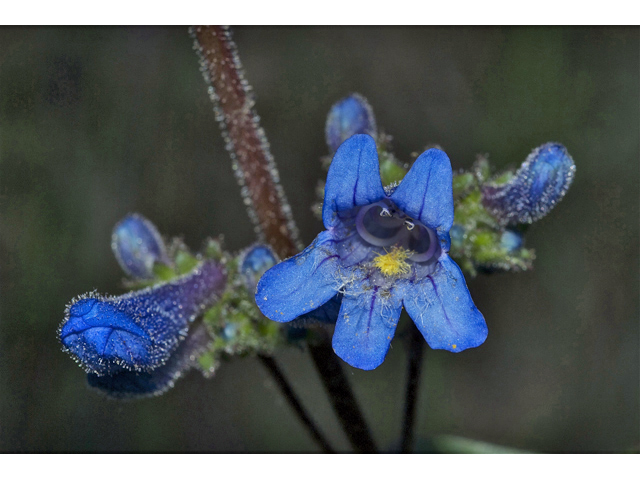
138 331
256 260
348 117
539 184
457 236
137 245
511 240
230 331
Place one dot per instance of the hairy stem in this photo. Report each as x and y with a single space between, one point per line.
246 142
291 397
416 350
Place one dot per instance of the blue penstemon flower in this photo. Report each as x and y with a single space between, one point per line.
381 250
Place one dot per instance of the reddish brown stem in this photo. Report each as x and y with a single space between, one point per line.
246 142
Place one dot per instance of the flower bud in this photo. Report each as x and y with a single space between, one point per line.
256 260
348 117
539 184
138 331
127 384
511 240
137 245
457 233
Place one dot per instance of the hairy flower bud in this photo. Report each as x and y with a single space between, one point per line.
256 260
137 245
138 331
348 117
539 184
128 384
511 240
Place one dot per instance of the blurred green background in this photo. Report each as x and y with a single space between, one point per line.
99 122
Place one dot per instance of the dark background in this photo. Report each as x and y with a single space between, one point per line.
99 122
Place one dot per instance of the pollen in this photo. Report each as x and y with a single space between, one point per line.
393 262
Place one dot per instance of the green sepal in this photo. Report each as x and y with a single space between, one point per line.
163 272
391 171
479 246
185 262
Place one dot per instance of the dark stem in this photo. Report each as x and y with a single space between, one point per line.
342 398
291 397
246 142
416 350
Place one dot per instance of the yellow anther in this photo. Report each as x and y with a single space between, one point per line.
393 262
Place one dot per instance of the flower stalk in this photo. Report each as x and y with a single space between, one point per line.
416 352
342 398
246 142
272 367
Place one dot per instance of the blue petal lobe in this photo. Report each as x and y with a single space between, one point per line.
353 179
300 284
366 326
138 331
442 309
426 192
127 384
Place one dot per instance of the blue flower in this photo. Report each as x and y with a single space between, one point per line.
140 330
539 184
382 250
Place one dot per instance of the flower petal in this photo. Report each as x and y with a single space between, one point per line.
426 192
326 314
353 179
300 284
365 327
442 309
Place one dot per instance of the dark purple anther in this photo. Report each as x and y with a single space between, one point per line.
383 224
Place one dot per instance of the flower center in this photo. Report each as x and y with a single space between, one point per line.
393 262
383 224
